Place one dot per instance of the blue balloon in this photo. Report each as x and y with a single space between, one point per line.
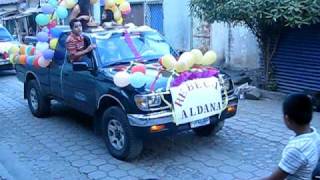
137 80
30 60
47 9
62 12
55 32
53 3
42 37
48 54
42 19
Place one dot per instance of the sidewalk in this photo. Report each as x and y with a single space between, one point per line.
10 167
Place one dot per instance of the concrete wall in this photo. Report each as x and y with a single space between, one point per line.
177 23
243 51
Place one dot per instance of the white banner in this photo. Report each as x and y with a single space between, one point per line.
196 99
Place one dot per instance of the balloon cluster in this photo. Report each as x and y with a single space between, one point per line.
119 8
136 78
187 60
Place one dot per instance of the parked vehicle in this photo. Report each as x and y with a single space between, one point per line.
126 116
6 41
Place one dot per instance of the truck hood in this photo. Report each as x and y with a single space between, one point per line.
157 80
5 46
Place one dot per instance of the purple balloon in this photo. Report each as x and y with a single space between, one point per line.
48 54
42 37
47 9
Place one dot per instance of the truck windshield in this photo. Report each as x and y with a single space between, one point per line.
149 45
5 35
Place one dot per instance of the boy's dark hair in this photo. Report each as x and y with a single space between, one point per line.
72 22
298 107
109 16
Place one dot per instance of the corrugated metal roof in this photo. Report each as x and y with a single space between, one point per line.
2 2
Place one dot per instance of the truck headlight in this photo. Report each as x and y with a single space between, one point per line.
147 101
227 82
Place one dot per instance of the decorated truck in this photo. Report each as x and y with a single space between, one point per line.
134 84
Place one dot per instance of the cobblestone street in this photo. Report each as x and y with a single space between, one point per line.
64 146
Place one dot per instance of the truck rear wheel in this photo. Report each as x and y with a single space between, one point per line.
211 129
38 104
118 135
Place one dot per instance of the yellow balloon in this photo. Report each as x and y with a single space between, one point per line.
53 43
180 66
125 8
120 1
120 21
117 14
14 49
70 3
187 58
109 4
197 56
168 61
209 58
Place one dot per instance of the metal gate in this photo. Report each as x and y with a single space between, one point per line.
297 60
154 16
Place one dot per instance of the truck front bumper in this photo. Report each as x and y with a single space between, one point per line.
5 64
143 123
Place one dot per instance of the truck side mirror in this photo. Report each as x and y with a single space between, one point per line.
80 66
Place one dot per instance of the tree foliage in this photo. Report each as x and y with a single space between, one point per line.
265 18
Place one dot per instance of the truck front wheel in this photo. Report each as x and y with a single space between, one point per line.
38 104
211 129
118 135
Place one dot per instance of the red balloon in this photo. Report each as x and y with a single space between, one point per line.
32 51
52 24
138 68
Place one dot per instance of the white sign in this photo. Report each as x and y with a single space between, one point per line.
196 99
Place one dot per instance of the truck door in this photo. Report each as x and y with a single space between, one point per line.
79 86
56 66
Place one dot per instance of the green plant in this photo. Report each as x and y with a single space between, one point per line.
265 18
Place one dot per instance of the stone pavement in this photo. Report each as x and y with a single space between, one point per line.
64 146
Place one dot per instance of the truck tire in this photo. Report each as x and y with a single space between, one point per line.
39 105
118 135
211 129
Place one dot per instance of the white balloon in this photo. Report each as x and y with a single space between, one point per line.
121 79
43 63
41 46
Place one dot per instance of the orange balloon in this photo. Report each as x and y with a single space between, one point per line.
23 59
22 50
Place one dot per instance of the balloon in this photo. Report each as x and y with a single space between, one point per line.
30 60
139 68
168 62
42 19
33 50
23 50
70 3
197 54
187 58
47 9
16 59
180 66
14 49
121 79
53 43
125 8
28 50
120 21
12 58
209 58
42 37
62 12
109 4
137 80
55 32
52 24
117 14
119 1
41 47
93 1
43 63
53 3
22 59
48 54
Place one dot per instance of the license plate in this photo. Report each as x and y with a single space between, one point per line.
201 122
4 62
